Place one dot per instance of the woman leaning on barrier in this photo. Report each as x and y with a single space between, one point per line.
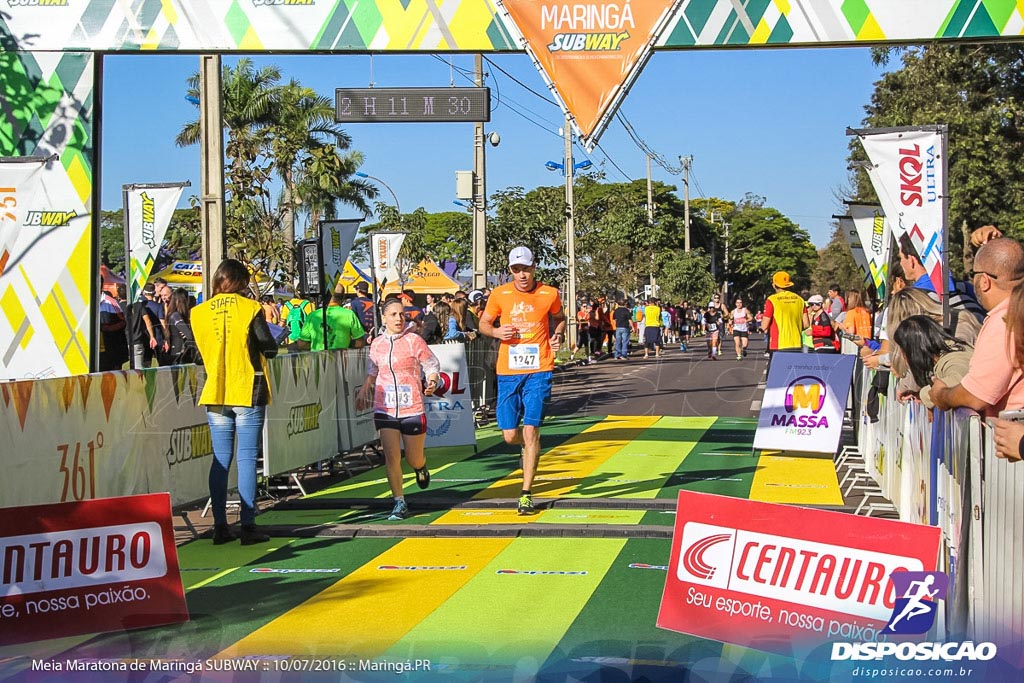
1010 432
233 338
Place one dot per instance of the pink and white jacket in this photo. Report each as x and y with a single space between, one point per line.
400 361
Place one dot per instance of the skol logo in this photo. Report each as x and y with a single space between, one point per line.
805 393
450 383
591 27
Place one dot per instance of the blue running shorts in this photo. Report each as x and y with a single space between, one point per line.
523 397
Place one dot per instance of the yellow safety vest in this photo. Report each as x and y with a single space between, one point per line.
788 316
221 327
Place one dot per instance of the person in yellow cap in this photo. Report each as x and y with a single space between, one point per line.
783 315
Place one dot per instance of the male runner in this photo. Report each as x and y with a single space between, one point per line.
525 310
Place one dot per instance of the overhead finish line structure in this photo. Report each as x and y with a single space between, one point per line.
51 69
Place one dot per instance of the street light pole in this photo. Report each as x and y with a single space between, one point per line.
386 186
479 193
687 160
725 286
211 170
570 236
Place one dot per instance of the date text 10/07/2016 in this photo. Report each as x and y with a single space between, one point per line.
412 105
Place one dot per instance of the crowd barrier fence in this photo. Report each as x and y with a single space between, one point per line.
129 432
944 472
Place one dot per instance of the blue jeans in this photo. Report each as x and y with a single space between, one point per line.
225 422
621 342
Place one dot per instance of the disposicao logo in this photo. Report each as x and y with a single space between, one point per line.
915 610
806 393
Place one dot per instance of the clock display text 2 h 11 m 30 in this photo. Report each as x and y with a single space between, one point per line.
412 105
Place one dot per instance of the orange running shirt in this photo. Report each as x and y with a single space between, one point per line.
530 350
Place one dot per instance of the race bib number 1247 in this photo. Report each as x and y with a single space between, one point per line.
524 357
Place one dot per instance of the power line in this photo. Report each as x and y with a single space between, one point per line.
612 162
521 84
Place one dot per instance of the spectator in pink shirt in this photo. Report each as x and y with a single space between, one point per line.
994 381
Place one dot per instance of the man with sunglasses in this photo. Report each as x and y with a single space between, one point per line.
992 384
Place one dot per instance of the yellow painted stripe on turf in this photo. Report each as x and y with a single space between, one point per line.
492 516
366 487
371 608
640 469
800 481
564 467
553 516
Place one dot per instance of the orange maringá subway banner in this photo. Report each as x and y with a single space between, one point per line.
590 50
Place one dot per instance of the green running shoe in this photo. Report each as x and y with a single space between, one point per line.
526 505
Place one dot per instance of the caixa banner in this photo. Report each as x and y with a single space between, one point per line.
777 577
88 567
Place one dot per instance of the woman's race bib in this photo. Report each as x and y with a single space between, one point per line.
524 357
398 397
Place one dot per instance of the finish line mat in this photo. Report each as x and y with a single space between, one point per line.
478 608
616 457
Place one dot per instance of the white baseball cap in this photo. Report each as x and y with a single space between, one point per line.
520 256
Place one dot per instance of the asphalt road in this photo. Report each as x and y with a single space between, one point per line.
680 383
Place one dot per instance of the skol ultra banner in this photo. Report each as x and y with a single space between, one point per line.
776 577
908 168
874 234
147 213
88 567
336 239
450 409
590 51
804 401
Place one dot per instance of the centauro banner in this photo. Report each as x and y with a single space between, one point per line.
804 401
772 577
908 169
336 239
147 213
590 51
88 567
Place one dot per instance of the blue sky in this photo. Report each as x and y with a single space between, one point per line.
771 122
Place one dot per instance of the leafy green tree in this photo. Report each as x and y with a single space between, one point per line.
686 276
836 266
978 91
535 219
763 241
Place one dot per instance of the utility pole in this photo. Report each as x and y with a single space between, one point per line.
687 161
479 193
650 221
211 170
570 236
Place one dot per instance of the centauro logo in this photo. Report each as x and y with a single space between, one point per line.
591 27
148 221
49 218
37 3
189 443
304 418
819 575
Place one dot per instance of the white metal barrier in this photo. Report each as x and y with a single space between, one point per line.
945 473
